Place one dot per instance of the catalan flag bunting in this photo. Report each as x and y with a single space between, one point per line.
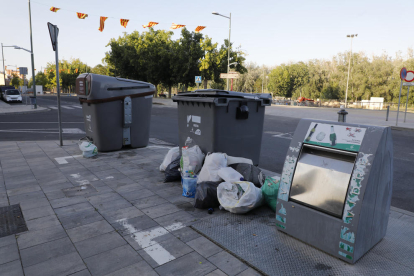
102 23
199 29
76 70
68 71
150 24
54 9
81 15
176 26
124 22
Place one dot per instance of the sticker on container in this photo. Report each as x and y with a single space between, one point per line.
88 118
335 136
197 132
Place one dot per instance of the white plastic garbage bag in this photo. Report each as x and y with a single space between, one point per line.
191 160
228 174
239 197
88 149
169 157
234 160
213 163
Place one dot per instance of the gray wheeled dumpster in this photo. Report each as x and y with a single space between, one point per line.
223 121
116 111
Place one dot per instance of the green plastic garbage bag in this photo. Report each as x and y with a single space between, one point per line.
270 189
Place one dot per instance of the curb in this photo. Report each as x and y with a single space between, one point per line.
24 112
401 128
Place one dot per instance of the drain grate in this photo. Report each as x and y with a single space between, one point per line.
11 220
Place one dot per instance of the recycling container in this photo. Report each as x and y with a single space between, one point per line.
223 121
116 111
336 187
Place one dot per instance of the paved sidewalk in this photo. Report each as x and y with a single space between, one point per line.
6 108
110 215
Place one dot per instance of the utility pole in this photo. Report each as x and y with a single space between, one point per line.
228 54
349 67
4 70
33 67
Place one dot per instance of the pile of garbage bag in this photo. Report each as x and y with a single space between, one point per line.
217 179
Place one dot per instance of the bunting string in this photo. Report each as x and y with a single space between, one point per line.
124 22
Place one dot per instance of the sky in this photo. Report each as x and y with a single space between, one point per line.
270 32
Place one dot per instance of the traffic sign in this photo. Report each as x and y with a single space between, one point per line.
198 79
53 31
409 76
230 75
23 70
403 73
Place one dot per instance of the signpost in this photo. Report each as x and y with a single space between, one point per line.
23 70
54 31
230 75
198 80
403 75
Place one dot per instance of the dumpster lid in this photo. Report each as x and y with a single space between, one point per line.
223 93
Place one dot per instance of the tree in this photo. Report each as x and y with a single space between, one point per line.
101 69
209 62
16 81
41 79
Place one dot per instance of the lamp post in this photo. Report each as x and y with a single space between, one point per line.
349 67
228 55
2 55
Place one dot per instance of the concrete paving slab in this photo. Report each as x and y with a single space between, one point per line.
67 201
181 217
46 251
227 263
62 265
132 225
140 268
160 210
185 234
9 253
188 265
8 240
217 272
113 260
89 231
149 202
113 205
73 209
112 216
43 222
136 195
32 238
80 218
204 247
99 244
12 269
35 213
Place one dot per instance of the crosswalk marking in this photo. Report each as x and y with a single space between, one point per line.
67 107
53 107
77 106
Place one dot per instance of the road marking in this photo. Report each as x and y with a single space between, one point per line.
40 122
62 160
77 106
282 135
53 107
67 107
48 131
145 240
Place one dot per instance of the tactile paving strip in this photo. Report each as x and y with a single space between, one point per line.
11 220
253 238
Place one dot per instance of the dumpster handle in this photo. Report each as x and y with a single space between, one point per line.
81 100
127 87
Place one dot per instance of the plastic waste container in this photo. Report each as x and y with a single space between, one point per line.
223 121
116 111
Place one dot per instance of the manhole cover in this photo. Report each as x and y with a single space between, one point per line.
11 220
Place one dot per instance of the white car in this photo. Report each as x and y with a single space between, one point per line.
12 95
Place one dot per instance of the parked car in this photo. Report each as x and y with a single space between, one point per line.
3 88
12 95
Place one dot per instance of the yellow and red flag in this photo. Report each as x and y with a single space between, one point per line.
68 71
76 70
81 15
124 22
150 24
176 26
54 9
102 23
199 29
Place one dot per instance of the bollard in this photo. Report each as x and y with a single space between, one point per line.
342 114
388 113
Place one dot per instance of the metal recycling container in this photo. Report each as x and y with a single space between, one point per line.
223 121
117 112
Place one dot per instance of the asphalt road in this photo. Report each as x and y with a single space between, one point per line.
275 142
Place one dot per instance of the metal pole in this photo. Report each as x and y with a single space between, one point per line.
4 69
399 99
347 80
406 104
33 67
388 113
228 55
263 81
58 89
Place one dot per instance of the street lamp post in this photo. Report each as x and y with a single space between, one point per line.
31 52
349 67
228 54
2 55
